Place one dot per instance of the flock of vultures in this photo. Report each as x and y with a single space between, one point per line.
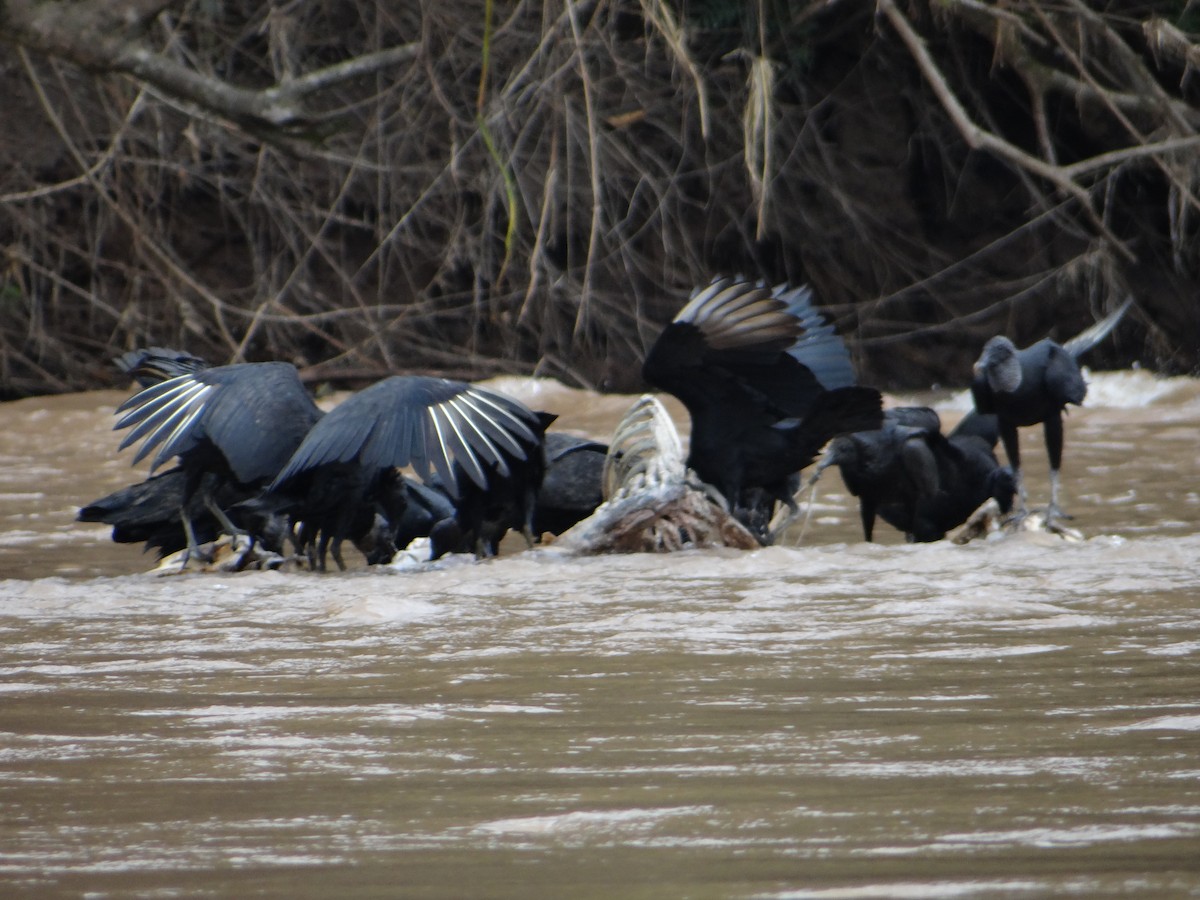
767 383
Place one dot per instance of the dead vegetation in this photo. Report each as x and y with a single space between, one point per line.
472 188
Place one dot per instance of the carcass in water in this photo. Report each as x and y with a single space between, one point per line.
653 503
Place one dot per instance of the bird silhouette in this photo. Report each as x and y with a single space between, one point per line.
230 430
148 513
915 478
573 485
1036 384
766 382
480 447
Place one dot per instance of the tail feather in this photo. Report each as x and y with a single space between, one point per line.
1090 337
149 502
841 411
149 512
846 410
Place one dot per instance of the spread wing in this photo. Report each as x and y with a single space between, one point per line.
255 414
819 348
434 425
151 365
733 343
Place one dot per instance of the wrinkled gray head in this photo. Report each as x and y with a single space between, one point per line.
998 363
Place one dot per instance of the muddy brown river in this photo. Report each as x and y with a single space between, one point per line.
1017 717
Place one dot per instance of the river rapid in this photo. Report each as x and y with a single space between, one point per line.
825 718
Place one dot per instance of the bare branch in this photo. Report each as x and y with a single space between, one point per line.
358 67
1012 35
629 147
660 15
981 139
1168 42
108 37
1155 150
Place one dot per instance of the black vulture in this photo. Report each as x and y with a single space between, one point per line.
573 485
508 501
968 475
148 512
887 463
482 448
767 383
917 479
429 511
338 502
231 428
1025 387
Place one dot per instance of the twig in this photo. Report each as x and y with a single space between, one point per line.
594 176
980 139
93 171
1157 150
659 14
155 250
107 38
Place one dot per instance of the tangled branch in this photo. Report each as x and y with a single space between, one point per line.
483 186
